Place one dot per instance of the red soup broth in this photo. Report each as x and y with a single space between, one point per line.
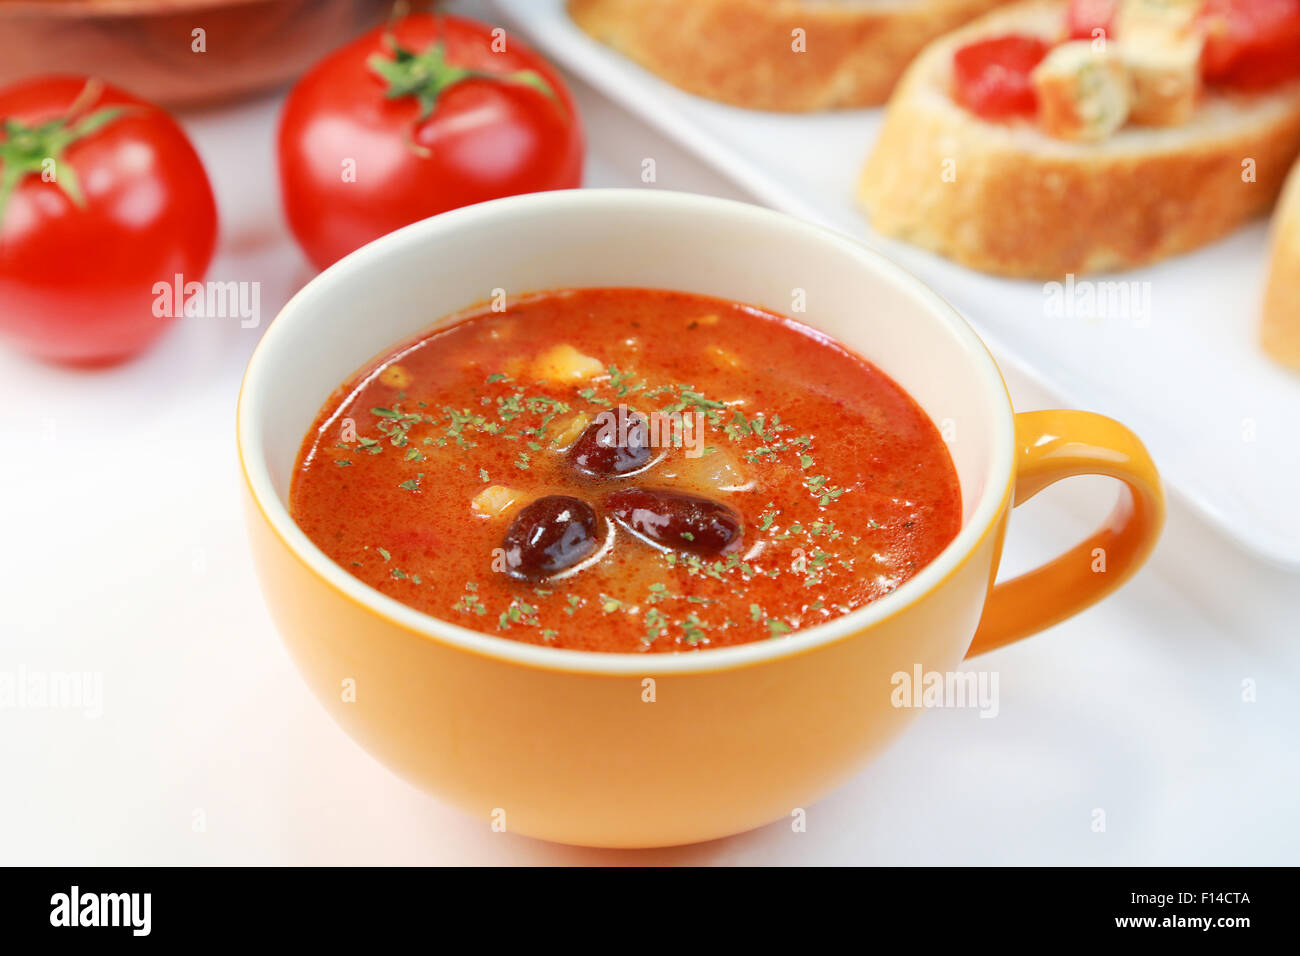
835 487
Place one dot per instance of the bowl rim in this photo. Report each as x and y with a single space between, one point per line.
295 316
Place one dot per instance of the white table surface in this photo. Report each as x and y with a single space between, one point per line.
124 555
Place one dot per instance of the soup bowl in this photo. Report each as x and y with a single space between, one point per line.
639 750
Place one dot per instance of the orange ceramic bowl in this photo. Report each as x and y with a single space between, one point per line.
154 48
624 750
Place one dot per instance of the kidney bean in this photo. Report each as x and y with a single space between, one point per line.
615 444
676 519
548 536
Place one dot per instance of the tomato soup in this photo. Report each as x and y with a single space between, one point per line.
629 470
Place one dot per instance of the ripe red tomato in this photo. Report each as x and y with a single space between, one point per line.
417 117
1085 16
1251 44
101 197
991 77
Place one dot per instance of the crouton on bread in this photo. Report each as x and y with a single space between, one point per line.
1161 49
1083 92
747 52
1008 197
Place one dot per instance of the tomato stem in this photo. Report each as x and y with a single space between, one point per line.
427 75
37 150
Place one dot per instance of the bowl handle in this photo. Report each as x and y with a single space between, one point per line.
1052 445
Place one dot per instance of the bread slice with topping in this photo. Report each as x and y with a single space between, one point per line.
1280 332
1010 198
747 52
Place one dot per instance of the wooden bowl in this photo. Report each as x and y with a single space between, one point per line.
148 46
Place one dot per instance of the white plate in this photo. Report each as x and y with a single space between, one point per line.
1185 373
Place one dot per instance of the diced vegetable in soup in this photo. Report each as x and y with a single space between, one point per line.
628 470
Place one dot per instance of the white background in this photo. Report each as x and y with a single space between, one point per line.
124 554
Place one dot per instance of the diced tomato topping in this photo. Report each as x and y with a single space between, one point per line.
1251 44
991 77
1085 16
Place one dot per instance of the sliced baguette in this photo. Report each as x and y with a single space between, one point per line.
741 51
1280 332
1006 198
